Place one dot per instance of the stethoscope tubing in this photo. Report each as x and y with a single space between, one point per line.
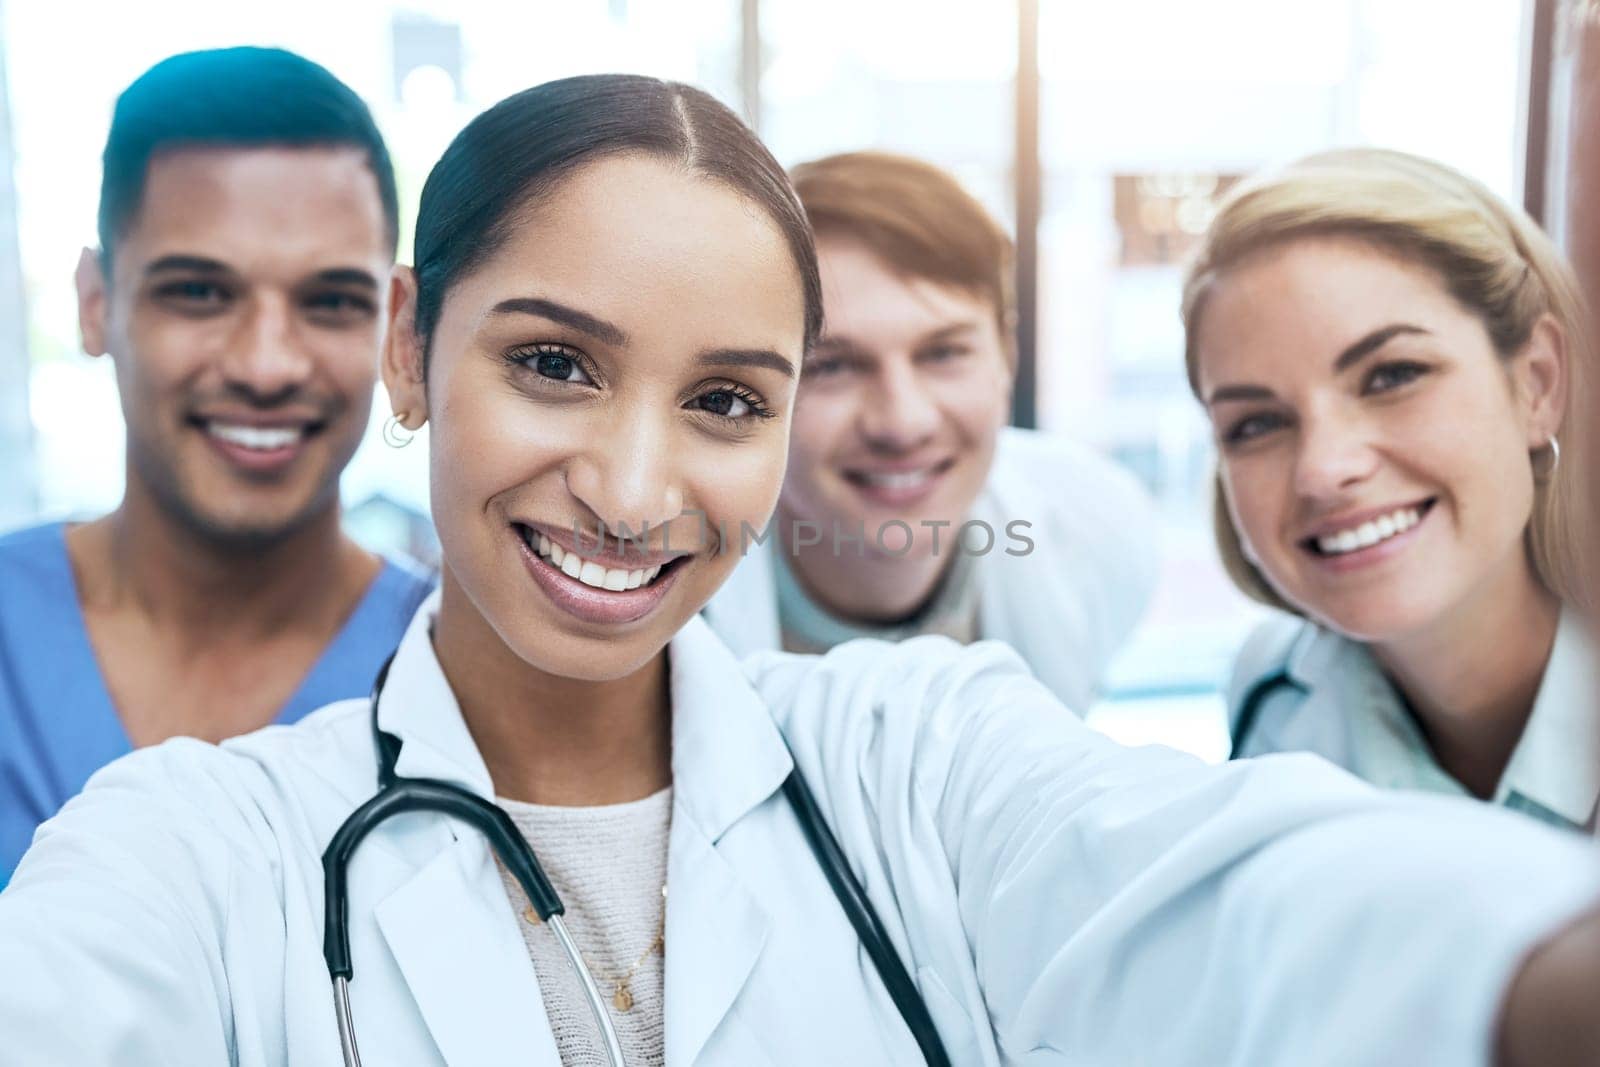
1251 705
864 918
591 992
347 1025
422 794
397 795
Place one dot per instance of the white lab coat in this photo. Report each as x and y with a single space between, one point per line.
1336 701
1058 898
1066 607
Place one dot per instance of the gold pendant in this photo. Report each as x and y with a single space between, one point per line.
623 997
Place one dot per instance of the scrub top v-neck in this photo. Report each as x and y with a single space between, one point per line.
57 722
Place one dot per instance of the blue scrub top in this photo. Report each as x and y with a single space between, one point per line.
57 723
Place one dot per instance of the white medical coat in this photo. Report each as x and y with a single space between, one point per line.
1334 700
1066 607
1058 898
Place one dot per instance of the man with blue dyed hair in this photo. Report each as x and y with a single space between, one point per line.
247 227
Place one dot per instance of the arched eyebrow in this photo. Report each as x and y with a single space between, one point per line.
1371 343
614 335
582 321
950 329
747 357
1224 393
835 345
1344 361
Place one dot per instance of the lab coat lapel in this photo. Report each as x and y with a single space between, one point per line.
418 706
453 933
1354 713
455 939
449 926
716 930
728 759
1334 676
1552 774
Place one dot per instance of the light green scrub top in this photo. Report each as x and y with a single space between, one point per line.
1334 700
808 627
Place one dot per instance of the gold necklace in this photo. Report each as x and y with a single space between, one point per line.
621 992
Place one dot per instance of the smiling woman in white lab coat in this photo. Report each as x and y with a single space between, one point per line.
1390 357
614 288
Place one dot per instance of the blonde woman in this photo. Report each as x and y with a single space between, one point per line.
1388 355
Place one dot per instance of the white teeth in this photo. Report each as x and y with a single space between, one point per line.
256 438
1369 533
896 480
589 573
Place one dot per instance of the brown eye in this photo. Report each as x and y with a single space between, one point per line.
551 362
336 308
944 353
1251 427
1389 376
829 366
732 404
720 402
554 366
193 294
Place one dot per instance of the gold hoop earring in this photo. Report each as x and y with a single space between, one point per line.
395 433
1555 459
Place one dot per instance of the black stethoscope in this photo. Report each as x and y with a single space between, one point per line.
1254 699
397 795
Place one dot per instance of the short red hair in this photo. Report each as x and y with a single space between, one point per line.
918 220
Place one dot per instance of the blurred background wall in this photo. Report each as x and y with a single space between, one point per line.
1101 131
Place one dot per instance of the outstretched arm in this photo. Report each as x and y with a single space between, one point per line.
1136 906
114 930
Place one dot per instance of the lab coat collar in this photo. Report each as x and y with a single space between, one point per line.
478 979
1313 654
1549 775
728 757
727 753
1359 715
418 707
1551 766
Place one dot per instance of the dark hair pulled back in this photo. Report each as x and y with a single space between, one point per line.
522 147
